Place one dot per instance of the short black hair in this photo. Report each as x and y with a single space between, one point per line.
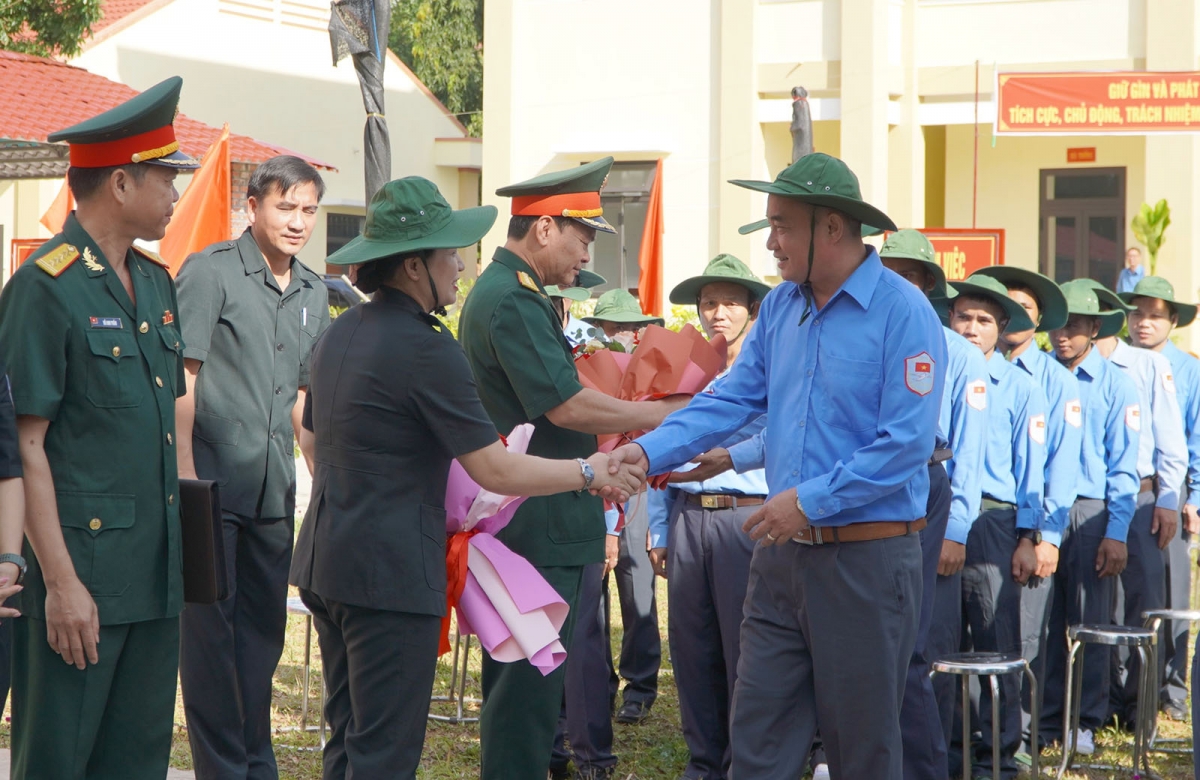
372 275
519 226
84 182
284 172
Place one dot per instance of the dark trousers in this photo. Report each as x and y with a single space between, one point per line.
1078 596
708 568
110 721
920 723
1179 595
641 644
520 705
379 668
229 650
827 637
946 638
1196 704
1035 621
1142 586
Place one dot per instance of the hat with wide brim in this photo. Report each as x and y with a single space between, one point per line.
1083 298
722 269
1051 302
410 215
1158 287
820 180
1107 296
992 290
909 244
580 291
619 306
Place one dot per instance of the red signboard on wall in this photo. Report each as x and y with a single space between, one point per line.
1131 103
22 248
962 252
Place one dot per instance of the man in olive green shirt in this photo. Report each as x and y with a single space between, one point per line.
251 312
89 328
520 358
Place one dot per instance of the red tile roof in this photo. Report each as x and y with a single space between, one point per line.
42 95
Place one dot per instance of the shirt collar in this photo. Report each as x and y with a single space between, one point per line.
390 296
996 364
861 284
512 260
1093 364
1121 355
252 256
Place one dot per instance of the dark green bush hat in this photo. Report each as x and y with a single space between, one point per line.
989 288
1107 296
909 244
722 268
619 306
1082 298
573 193
410 215
578 291
140 130
1051 302
822 181
1158 287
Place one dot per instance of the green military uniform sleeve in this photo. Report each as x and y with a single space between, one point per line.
201 296
531 351
34 327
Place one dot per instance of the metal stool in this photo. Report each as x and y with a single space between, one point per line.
1146 642
968 665
296 607
1154 619
458 683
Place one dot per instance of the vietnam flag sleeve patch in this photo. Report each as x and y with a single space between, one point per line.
918 374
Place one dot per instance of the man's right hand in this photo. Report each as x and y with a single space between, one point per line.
710 464
73 623
658 559
631 453
1191 519
1111 558
953 556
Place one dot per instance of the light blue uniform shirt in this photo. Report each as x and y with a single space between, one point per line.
1064 437
1127 280
851 392
1014 461
1187 390
1110 440
962 423
1162 446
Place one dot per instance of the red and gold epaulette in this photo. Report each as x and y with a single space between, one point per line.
146 253
58 260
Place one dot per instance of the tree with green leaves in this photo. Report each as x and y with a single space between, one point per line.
1150 227
442 41
47 28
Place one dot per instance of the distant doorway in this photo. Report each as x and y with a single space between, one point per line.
1082 224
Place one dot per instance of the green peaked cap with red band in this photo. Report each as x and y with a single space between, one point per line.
573 193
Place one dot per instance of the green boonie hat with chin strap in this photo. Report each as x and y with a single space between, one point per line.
619 306
990 289
573 193
822 181
909 244
1083 298
1051 303
410 215
1107 296
579 291
1158 287
722 269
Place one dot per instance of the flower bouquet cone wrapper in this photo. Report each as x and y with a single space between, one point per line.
499 596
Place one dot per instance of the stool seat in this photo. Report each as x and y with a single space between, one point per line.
1172 614
1116 636
980 663
295 606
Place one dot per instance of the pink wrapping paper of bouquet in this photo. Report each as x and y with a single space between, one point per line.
499 596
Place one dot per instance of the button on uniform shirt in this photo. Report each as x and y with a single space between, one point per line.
851 392
254 341
1186 371
1162 445
10 456
1127 279
1109 450
1015 455
962 426
105 372
1064 437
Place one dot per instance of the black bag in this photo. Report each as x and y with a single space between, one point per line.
204 577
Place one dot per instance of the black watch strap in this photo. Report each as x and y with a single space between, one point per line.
18 561
1031 534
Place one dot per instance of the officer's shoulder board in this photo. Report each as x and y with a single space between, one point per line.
57 260
152 257
527 282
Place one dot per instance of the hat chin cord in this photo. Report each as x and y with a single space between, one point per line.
806 285
437 308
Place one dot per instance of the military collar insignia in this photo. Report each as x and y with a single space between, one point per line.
527 282
89 260
146 253
58 260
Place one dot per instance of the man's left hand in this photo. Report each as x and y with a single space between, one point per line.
1024 561
612 552
1192 518
777 521
1165 524
1047 559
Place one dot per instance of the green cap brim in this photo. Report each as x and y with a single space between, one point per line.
689 289
625 318
1186 311
1051 302
597 223
1018 318
570 293
753 227
861 210
589 279
464 228
1111 322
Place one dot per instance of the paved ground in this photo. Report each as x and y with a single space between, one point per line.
172 774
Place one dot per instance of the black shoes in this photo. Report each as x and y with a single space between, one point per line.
1175 711
633 712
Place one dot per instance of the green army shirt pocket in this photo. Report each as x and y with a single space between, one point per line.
114 373
433 546
95 530
215 429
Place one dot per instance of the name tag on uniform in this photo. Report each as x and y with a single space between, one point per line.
111 323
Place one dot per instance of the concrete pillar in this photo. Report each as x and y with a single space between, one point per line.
864 95
498 87
906 147
739 137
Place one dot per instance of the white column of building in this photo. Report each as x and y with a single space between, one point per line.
864 95
739 138
906 181
498 86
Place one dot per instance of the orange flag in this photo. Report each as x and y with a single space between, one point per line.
202 213
63 204
650 253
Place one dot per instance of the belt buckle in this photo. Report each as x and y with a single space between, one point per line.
709 502
813 537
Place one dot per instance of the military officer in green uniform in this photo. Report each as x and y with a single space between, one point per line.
515 345
89 328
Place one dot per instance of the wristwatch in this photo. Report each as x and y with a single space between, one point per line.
589 474
19 562
1031 534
